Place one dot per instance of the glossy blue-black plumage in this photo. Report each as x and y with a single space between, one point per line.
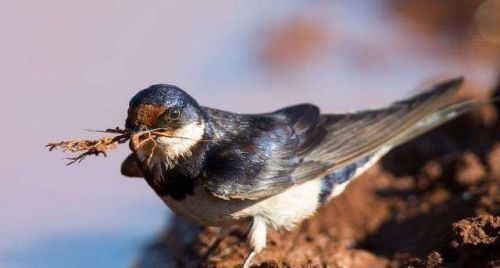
163 95
244 154
255 155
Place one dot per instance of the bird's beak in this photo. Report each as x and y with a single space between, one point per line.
137 134
136 127
133 125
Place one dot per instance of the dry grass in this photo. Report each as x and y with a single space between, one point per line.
105 144
91 147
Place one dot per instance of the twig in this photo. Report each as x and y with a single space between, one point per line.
101 146
90 147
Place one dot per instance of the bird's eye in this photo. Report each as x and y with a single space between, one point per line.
174 113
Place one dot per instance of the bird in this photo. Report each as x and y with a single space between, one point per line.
273 169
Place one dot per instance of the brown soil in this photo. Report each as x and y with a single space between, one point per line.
434 202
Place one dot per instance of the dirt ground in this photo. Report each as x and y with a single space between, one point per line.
434 202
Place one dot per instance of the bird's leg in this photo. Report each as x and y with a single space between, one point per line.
257 235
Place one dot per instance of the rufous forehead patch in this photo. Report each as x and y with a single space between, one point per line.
145 114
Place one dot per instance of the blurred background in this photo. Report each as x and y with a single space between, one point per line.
67 66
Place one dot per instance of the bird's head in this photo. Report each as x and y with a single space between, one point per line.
173 115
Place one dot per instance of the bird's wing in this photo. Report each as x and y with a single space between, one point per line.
256 160
306 145
353 136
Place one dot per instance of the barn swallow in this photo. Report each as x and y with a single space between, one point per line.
274 169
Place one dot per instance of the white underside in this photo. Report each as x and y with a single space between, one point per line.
282 211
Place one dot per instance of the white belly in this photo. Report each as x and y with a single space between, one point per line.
282 211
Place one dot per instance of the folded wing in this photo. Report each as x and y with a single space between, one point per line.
298 144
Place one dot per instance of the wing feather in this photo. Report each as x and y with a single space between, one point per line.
353 136
298 144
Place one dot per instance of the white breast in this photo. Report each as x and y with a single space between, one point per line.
282 211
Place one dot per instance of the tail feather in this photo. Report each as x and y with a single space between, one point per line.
441 117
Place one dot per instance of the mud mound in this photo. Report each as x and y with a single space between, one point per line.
434 202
